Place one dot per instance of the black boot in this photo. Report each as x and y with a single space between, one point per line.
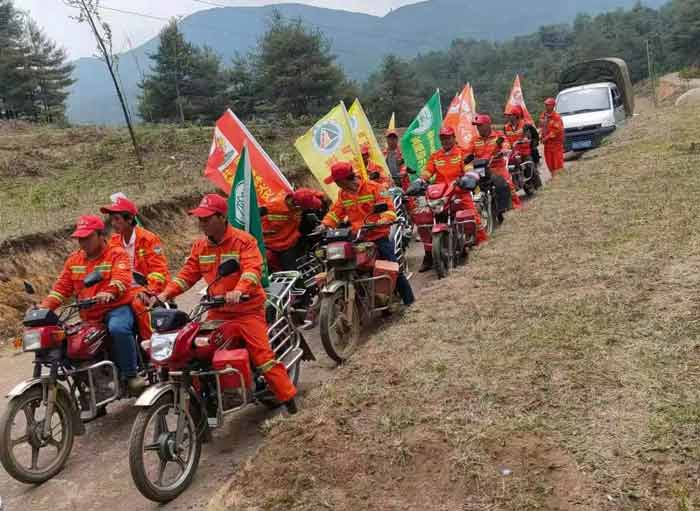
427 263
291 406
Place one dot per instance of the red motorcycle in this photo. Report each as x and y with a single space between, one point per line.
205 374
523 169
443 223
73 382
355 287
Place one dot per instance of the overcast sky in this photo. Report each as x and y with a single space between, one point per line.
131 29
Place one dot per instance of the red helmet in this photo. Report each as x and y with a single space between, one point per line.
482 120
447 131
550 102
515 110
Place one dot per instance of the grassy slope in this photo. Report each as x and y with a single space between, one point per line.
568 355
49 176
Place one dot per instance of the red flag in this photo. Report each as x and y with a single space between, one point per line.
460 116
230 135
516 98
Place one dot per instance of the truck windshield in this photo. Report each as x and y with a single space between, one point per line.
582 101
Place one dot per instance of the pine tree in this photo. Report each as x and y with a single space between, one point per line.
393 89
13 62
295 71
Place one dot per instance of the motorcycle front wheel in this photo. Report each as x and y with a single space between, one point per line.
25 452
160 467
340 335
441 247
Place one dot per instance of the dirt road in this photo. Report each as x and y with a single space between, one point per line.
97 476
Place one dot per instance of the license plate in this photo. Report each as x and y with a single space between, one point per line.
581 144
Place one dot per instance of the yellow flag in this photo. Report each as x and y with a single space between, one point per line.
392 121
329 141
365 135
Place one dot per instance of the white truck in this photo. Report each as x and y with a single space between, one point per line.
594 98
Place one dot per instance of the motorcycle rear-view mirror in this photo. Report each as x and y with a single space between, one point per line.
140 278
29 288
228 268
263 211
92 279
374 175
380 208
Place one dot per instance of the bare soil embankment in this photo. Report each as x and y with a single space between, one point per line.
559 371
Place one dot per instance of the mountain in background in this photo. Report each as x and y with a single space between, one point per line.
360 41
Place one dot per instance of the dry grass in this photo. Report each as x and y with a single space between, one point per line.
50 176
563 375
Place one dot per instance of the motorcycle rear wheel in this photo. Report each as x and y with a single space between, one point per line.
28 404
339 336
440 254
162 443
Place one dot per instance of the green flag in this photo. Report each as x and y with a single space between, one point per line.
422 136
243 210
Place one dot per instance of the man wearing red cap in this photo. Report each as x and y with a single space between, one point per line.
355 203
145 252
375 172
446 165
113 292
245 317
491 145
552 135
281 226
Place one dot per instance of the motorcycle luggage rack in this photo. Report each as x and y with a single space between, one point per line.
94 404
309 266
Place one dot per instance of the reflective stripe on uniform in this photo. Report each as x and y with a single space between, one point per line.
105 267
58 296
118 284
230 255
181 283
267 366
207 259
365 198
156 276
278 218
333 217
78 269
252 277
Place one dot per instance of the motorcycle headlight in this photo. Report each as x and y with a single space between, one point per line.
336 253
31 340
162 346
437 205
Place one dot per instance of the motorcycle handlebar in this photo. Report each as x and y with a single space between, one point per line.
86 304
219 301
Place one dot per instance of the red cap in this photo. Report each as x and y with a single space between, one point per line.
306 199
516 110
121 205
550 101
339 172
391 133
481 120
87 224
364 149
211 204
447 131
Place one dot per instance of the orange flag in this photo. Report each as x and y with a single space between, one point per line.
516 98
463 105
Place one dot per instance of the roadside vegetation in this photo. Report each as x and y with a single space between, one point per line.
564 375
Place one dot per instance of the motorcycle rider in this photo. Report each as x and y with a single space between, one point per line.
374 171
523 137
244 311
281 226
552 135
447 164
394 160
145 252
355 202
490 145
113 293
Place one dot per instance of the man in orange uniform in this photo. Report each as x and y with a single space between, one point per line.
281 226
245 298
375 172
113 293
145 252
488 146
446 165
552 135
355 202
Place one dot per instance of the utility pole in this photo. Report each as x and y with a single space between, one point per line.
87 15
652 77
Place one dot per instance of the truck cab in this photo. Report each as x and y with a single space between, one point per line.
595 98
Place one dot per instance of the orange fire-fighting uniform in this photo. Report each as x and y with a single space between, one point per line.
552 131
356 206
245 320
148 260
114 266
447 166
484 148
517 137
281 224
